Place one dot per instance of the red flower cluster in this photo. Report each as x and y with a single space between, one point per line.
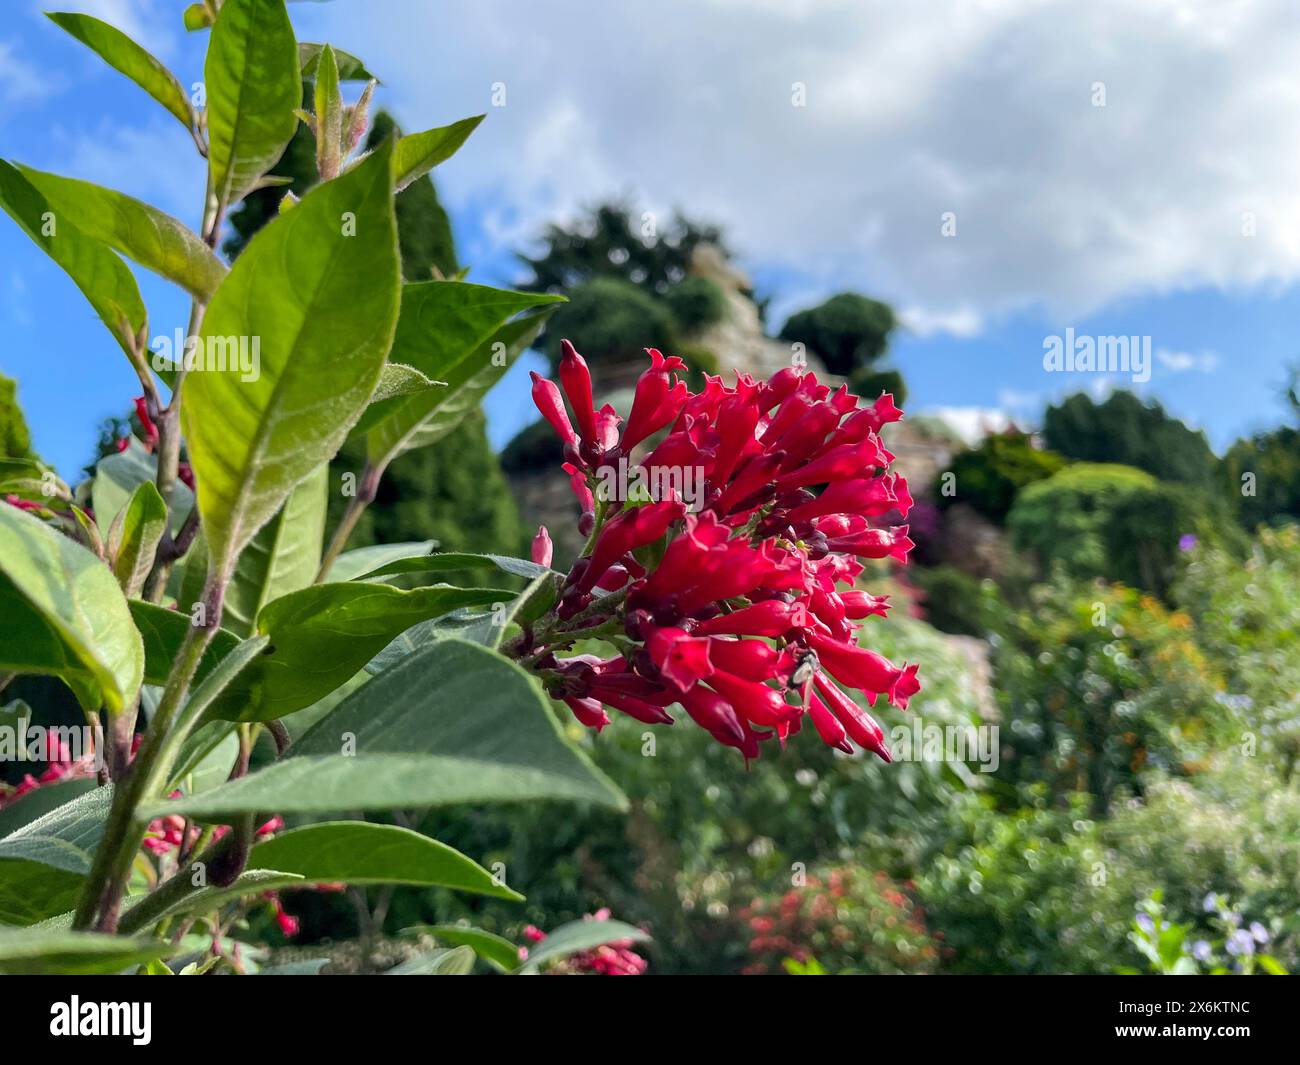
616 958
61 766
729 609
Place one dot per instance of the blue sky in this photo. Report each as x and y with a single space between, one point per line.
1117 171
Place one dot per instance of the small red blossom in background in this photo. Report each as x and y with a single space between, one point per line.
744 603
846 921
60 766
616 958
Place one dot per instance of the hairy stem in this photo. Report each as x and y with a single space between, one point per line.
367 488
124 829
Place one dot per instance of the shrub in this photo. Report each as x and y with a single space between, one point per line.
845 921
695 302
848 331
989 476
614 320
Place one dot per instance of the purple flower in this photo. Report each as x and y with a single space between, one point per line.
1259 932
1186 542
1201 950
1240 942
1145 923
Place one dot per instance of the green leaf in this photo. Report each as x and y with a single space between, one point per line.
456 962
43 863
62 613
134 536
162 631
459 333
142 233
361 560
396 383
117 476
350 67
208 899
283 557
320 636
253 85
418 153
497 951
40 801
126 57
411 563
42 951
323 304
357 852
103 278
454 723
328 114
577 936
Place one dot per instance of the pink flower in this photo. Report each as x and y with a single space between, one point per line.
541 548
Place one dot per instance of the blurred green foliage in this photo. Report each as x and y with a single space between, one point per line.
990 475
15 439
848 331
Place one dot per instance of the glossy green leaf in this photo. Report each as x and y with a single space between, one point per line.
134 536
447 330
357 852
125 56
205 900
142 233
361 560
162 631
117 476
577 936
62 613
418 153
496 950
350 67
104 279
443 561
283 557
44 863
454 723
320 636
42 951
253 85
319 287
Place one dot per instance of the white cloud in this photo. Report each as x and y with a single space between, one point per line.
972 424
21 81
979 107
1182 361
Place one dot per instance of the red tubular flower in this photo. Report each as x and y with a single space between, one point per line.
681 659
542 549
576 381
828 725
744 612
146 423
715 715
657 401
547 399
629 530
770 618
588 711
862 728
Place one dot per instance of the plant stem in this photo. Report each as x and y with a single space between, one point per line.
124 830
367 488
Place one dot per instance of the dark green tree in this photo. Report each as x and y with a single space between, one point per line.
15 438
1261 475
849 332
1128 432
